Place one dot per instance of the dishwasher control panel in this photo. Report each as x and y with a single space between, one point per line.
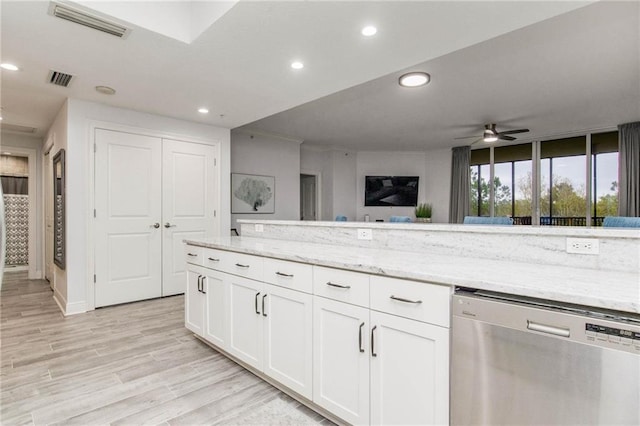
601 333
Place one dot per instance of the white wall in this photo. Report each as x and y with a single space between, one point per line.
15 143
389 164
73 127
437 183
261 154
344 184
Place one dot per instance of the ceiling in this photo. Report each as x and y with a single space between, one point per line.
346 95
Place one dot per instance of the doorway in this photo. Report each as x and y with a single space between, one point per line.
14 174
309 196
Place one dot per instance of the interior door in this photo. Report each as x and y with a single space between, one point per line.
48 220
307 197
188 206
128 217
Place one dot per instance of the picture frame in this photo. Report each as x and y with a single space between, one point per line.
253 194
59 231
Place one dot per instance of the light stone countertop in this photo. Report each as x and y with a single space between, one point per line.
603 289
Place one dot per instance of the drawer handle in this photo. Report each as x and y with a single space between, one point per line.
402 299
550 329
213 259
360 338
240 265
338 285
282 274
192 255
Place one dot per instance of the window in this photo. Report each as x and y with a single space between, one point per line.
562 167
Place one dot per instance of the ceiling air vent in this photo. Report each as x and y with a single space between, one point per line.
81 17
59 78
17 128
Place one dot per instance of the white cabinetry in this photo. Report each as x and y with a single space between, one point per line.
341 359
409 371
368 349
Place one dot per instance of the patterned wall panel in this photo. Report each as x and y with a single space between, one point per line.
17 221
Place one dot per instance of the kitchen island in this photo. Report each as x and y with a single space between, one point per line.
359 329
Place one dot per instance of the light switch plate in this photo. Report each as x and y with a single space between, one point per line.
364 234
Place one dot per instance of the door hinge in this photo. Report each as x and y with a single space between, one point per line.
94 212
214 213
215 162
94 278
95 148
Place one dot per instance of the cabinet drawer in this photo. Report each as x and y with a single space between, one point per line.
193 254
244 265
410 299
213 258
345 286
293 275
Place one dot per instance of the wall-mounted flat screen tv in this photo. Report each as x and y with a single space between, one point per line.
391 191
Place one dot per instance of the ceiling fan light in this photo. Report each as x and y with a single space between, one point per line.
489 136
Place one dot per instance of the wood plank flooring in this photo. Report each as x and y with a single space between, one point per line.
131 364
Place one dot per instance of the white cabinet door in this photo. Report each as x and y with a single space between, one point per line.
128 241
189 186
409 372
194 301
341 359
288 338
215 288
245 320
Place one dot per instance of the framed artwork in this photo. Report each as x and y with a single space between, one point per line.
253 193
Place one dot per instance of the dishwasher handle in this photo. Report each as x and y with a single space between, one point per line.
549 329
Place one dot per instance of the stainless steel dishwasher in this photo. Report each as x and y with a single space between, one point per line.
523 361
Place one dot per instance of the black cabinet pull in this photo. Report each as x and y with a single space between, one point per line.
213 259
338 285
282 274
257 295
373 352
202 285
191 254
240 265
360 338
402 299
264 313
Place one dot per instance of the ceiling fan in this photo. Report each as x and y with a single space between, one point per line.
490 134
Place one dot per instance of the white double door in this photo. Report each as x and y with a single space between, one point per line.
150 194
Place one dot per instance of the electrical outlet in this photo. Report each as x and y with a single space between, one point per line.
258 227
583 245
364 234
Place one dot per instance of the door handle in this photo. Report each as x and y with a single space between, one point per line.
360 338
257 295
549 329
168 225
338 285
264 314
402 299
202 285
155 225
373 352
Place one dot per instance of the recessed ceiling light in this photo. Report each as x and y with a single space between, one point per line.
9 67
203 111
297 65
105 90
414 79
369 30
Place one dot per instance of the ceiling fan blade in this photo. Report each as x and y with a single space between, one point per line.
513 132
465 137
505 138
477 140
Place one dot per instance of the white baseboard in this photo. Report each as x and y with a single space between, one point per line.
69 308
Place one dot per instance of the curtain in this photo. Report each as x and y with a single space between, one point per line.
629 169
15 185
459 200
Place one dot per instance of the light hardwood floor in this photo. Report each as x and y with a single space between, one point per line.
129 364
